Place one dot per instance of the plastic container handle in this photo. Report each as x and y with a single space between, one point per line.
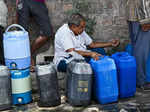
15 25
123 54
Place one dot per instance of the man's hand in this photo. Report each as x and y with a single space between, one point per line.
95 55
145 27
115 43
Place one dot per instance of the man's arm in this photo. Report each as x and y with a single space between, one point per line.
112 43
93 55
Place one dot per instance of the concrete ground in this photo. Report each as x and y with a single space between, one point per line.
139 103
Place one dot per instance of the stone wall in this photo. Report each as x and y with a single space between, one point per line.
109 16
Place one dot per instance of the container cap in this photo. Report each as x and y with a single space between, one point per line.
45 69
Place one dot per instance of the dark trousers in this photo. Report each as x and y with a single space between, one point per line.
39 11
62 66
1 46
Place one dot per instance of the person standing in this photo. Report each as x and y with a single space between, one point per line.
3 24
138 17
39 11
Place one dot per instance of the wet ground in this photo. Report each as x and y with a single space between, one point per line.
139 103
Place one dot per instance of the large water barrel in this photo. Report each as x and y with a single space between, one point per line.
126 67
16 48
21 86
79 83
5 88
105 80
48 85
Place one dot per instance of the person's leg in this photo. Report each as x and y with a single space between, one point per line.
40 13
37 43
141 52
1 46
134 28
62 66
23 14
137 41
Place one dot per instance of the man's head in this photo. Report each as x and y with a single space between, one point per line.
77 23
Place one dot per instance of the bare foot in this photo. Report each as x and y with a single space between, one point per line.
32 68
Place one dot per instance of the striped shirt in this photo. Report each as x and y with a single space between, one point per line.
138 10
131 9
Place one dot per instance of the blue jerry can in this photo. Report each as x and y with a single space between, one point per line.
16 48
126 67
105 80
21 86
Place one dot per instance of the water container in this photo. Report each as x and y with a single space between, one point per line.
21 86
16 48
105 80
129 49
79 83
126 67
48 85
5 88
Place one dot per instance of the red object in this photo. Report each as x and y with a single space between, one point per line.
16 2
